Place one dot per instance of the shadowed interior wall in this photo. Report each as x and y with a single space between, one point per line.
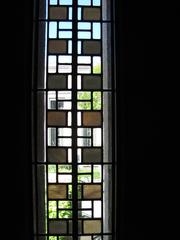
135 128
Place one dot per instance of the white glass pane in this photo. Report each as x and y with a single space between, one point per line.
65 178
84 69
65 68
97 137
65 142
52 64
65 59
84 60
97 209
64 132
64 95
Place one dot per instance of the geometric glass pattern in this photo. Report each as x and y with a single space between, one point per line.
74 148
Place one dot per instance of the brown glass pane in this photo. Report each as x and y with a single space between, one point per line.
91 13
91 118
91 155
92 191
91 47
70 226
92 226
91 82
79 226
57 191
57 155
57 227
56 118
57 81
59 13
57 46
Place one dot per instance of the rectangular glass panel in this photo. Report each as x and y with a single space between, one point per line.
74 118
57 81
91 14
57 46
91 118
92 155
57 118
92 191
57 155
91 82
91 47
92 226
58 13
57 227
57 191
52 30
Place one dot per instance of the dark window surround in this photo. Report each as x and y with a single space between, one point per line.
133 105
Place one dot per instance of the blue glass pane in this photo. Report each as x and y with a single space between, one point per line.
65 34
79 13
53 2
70 13
84 2
65 2
96 31
84 26
52 30
84 35
65 25
96 2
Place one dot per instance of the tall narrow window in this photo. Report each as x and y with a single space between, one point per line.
73 95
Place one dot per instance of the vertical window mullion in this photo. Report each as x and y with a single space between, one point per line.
74 120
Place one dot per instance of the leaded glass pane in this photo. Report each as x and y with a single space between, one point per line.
73 167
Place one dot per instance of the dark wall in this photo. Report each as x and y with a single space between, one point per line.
134 122
16 36
147 59
138 122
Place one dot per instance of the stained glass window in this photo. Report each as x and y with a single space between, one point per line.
73 90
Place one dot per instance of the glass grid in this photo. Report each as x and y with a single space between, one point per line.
78 162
